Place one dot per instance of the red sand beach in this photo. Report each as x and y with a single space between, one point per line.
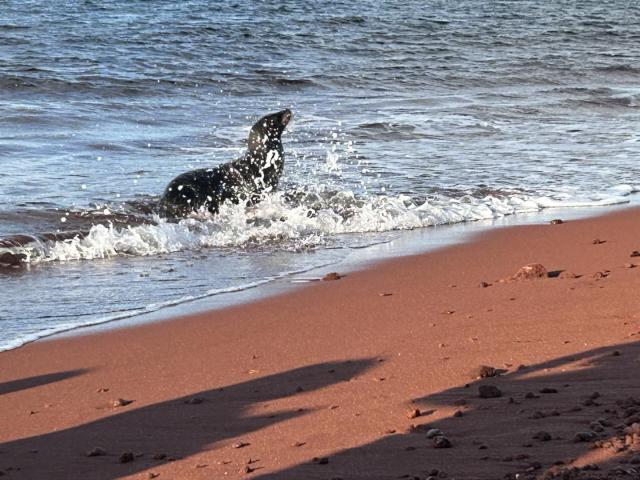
322 383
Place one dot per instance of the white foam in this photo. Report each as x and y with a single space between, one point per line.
275 222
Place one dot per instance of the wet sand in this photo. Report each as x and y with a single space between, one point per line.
376 375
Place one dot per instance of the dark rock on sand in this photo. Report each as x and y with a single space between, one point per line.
531 272
120 402
489 391
542 436
548 390
96 452
635 253
485 371
332 276
415 413
126 457
586 436
442 442
556 221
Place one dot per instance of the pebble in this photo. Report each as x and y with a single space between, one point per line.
489 391
434 432
584 437
530 272
484 285
556 221
415 413
126 457
120 402
635 253
548 390
597 241
320 460
542 436
484 371
240 445
442 442
96 452
332 276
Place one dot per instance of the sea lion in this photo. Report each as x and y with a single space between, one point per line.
245 179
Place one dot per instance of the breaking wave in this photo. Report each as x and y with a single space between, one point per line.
293 221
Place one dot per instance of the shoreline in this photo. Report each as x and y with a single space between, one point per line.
407 243
335 368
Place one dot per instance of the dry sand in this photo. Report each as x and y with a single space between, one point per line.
321 383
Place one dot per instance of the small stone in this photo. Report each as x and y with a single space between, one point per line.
96 452
615 353
434 432
153 475
299 444
484 285
489 391
548 390
102 390
415 413
194 401
635 253
331 276
458 413
629 265
584 437
240 445
597 241
556 221
385 294
249 469
484 371
568 275
531 272
320 460
126 457
602 274
542 436
120 402
442 442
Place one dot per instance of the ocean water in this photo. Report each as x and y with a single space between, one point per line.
407 115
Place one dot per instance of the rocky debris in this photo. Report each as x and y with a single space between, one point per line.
434 432
548 390
542 436
601 274
153 475
331 276
484 371
568 275
484 285
557 221
415 413
96 452
597 241
120 402
630 265
385 294
320 460
240 444
531 271
126 457
102 390
635 253
586 436
442 442
489 391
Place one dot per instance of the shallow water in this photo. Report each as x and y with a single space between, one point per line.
406 116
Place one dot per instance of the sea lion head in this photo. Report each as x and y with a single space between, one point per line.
266 133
